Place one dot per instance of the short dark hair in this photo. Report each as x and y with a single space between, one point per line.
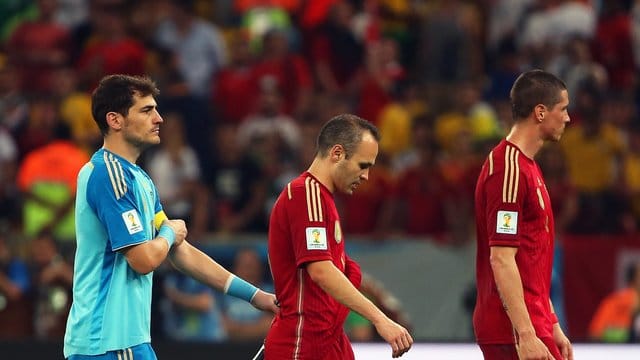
115 93
532 88
346 130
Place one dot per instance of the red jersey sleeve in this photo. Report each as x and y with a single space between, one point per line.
505 190
309 225
353 272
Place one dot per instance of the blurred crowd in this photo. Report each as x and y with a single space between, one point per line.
246 84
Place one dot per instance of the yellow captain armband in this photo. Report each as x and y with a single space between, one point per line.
158 219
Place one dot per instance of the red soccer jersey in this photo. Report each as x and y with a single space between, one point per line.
513 209
305 227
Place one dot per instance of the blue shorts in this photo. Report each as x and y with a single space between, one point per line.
138 352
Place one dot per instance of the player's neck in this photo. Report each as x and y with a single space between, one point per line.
122 148
320 171
526 138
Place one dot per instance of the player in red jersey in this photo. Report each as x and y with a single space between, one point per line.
315 281
514 317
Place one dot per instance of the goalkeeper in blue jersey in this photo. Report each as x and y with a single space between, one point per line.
123 234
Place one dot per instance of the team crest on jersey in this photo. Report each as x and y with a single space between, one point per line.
132 221
316 238
337 232
507 222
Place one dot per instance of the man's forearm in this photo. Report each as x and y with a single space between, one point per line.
193 262
336 284
509 284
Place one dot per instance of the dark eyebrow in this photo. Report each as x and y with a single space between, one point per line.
148 107
365 165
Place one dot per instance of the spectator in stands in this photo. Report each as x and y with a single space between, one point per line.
612 44
421 189
269 121
396 118
338 56
379 80
243 322
234 81
236 185
370 210
199 46
286 71
37 48
190 311
564 197
175 170
111 49
47 178
612 320
16 311
38 127
595 141
13 104
75 110
53 277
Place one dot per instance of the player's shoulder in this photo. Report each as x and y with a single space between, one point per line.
302 189
110 170
504 157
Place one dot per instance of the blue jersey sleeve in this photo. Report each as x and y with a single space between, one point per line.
111 194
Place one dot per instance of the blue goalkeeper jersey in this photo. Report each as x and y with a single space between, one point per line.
117 206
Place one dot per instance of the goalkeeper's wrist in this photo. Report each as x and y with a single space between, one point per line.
168 234
239 288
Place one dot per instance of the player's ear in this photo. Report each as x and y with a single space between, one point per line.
114 120
337 153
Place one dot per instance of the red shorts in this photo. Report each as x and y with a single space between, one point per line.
508 351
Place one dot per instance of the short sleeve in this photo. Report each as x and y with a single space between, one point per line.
504 191
111 195
308 224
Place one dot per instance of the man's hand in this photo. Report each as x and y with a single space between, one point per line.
266 302
394 334
530 347
563 342
179 228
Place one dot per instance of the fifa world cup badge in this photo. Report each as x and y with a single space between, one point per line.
337 232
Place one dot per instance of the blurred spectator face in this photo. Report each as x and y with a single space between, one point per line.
240 50
225 142
388 51
65 80
276 43
270 102
43 113
47 8
43 250
341 14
